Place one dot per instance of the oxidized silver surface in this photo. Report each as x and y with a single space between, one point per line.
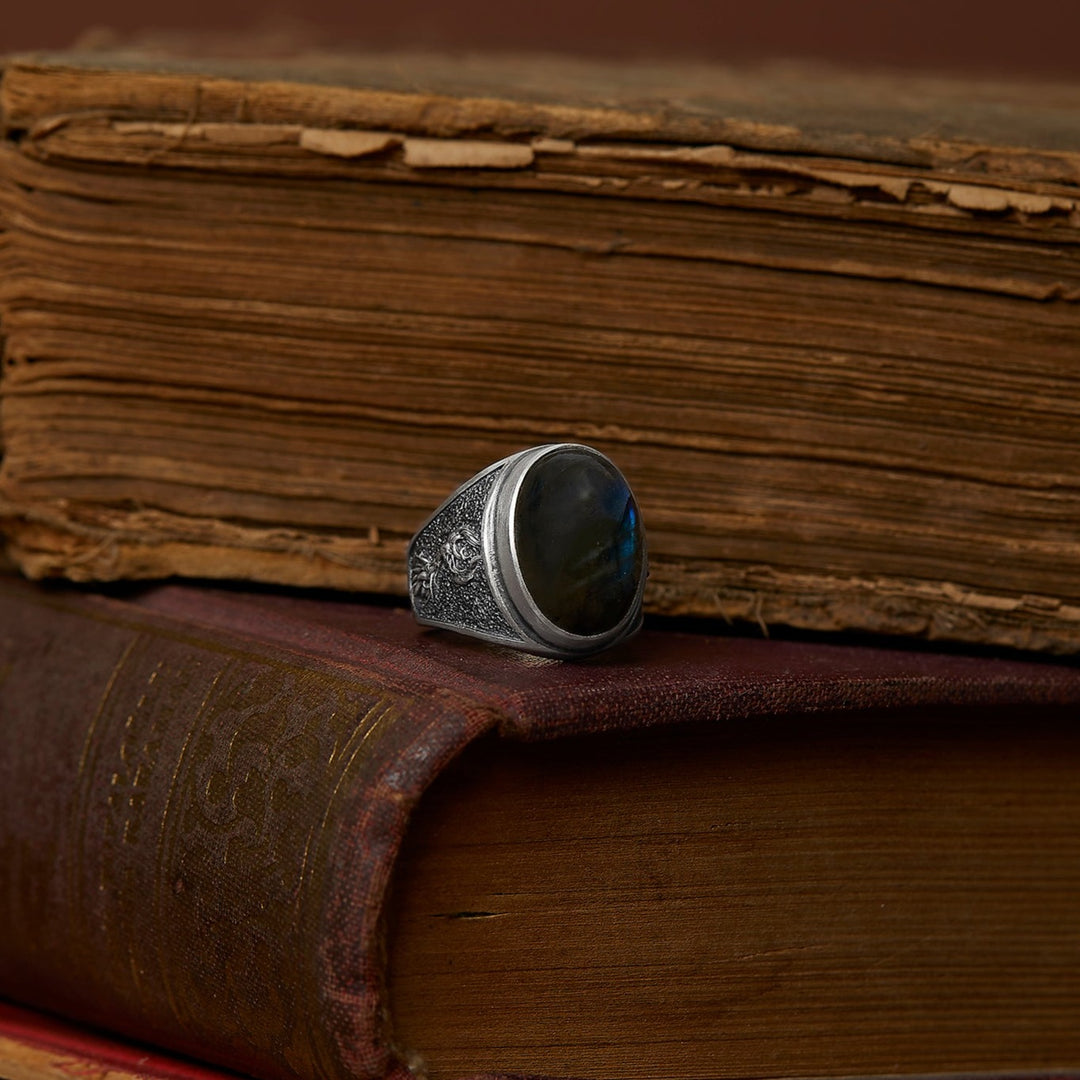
448 585
464 573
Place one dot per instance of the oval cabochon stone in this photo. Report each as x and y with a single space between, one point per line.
579 541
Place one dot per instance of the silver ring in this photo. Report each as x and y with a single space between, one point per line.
542 551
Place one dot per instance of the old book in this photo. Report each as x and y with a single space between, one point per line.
302 838
261 319
35 1046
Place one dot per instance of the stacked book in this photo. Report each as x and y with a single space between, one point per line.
258 322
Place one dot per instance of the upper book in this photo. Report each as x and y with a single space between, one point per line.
261 318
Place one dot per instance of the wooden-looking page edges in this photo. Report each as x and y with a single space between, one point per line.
825 324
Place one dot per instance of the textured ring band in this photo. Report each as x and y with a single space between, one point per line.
542 551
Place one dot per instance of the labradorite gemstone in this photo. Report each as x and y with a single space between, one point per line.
579 541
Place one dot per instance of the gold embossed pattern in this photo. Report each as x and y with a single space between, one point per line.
204 805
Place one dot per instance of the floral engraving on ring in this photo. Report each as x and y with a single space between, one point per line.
461 554
424 572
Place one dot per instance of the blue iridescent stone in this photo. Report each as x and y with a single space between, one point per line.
579 541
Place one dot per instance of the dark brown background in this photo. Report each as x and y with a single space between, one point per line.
1040 38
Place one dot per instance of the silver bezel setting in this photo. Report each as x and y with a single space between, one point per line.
463 605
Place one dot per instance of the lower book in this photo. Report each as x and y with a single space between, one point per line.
36 1046
292 837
